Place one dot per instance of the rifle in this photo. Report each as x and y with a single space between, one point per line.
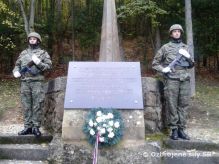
173 63
27 68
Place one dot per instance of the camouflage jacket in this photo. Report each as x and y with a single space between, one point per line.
166 54
26 56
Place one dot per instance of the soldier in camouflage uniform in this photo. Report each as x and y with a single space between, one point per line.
176 81
32 90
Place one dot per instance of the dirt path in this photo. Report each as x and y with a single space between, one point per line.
203 122
12 116
11 121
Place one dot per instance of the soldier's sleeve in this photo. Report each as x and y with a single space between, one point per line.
46 63
157 61
17 66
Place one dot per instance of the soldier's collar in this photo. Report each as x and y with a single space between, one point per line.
173 40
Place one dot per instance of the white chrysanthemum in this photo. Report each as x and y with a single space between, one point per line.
116 124
98 128
109 115
110 129
104 117
99 119
104 125
102 131
92 132
111 123
101 139
91 124
99 113
111 135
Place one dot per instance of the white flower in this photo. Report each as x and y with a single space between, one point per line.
92 132
110 129
109 115
91 124
98 128
111 135
101 139
99 113
104 125
116 124
104 117
95 124
111 123
99 119
102 131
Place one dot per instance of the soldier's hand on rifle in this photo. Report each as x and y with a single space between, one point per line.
17 74
184 53
166 70
36 60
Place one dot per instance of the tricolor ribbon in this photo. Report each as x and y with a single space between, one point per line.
95 152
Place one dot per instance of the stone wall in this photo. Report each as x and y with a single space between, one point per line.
54 104
153 104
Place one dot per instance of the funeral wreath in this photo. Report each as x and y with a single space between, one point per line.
107 124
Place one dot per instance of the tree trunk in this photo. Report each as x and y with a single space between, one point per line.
32 13
73 33
189 34
59 31
217 63
26 25
157 39
204 62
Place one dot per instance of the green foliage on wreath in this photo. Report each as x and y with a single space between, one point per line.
107 122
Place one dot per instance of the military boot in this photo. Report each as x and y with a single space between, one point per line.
25 131
36 132
174 135
183 135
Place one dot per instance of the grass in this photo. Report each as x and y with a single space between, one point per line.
9 94
155 137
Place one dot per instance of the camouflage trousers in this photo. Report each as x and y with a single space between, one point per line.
177 96
32 98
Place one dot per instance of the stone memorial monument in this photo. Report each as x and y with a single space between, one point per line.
109 52
107 83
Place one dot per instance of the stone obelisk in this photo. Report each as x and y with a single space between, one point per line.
109 46
110 52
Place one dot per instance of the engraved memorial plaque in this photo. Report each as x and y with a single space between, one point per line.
104 84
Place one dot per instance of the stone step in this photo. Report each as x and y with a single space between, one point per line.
27 139
22 162
33 152
191 144
189 157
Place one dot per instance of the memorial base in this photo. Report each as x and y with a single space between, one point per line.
82 154
73 121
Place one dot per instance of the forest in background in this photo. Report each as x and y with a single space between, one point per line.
71 30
